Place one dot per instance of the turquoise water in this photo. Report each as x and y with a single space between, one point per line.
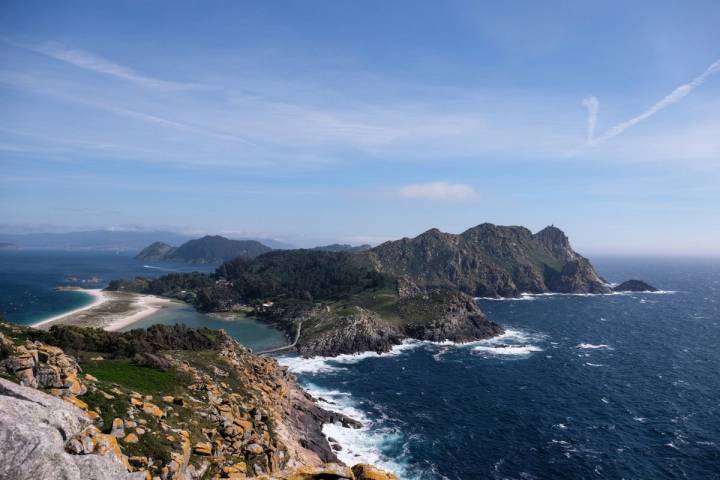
28 282
250 332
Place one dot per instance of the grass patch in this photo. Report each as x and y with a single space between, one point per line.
109 408
153 445
130 375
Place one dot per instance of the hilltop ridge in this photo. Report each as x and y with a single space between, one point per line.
210 249
490 261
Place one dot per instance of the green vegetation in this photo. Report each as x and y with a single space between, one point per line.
109 408
127 344
136 377
303 274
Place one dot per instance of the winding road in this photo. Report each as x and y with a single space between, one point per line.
286 347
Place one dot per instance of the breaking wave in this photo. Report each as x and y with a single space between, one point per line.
372 443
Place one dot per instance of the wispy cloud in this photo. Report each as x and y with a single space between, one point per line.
592 104
439 191
95 63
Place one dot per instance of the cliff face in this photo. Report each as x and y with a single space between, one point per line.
380 322
490 260
172 414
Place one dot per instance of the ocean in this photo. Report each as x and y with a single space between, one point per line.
619 386
602 387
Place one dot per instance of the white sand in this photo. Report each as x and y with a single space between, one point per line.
99 298
149 304
142 306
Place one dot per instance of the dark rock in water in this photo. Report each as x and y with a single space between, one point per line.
634 286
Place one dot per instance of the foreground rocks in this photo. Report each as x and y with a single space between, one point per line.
230 414
43 437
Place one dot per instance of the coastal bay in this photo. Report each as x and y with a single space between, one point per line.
109 310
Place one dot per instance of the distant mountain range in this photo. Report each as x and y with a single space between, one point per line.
113 240
208 249
343 247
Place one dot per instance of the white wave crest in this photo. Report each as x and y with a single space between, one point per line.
523 296
511 343
594 364
508 350
331 364
359 445
590 346
160 268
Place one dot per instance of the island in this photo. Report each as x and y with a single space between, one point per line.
206 250
634 286
342 302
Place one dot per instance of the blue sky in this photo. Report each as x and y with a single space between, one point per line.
363 121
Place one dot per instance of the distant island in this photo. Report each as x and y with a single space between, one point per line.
7 246
336 302
205 250
343 247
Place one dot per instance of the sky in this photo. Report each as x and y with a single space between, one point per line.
316 122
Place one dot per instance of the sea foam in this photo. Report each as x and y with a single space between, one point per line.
360 445
590 346
332 364
512 343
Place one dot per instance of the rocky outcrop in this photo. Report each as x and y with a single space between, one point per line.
43 366
332 329
490 260
634 286
43 437
442 315
230 414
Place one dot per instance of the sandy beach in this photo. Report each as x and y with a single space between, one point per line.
109 310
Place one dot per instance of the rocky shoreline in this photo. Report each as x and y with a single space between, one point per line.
328 331
227 413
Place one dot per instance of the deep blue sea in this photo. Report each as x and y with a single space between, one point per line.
586 387
598 387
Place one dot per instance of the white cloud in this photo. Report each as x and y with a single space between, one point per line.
593 106
675 96
439 191
89 61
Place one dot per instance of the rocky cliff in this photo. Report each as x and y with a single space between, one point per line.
490 260
379 321
187 413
